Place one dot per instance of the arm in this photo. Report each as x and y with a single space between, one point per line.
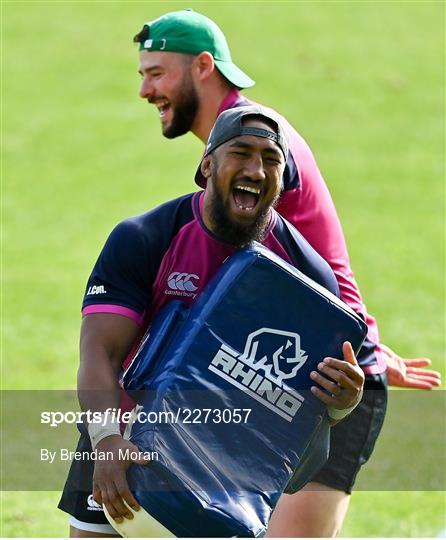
342 383
105 340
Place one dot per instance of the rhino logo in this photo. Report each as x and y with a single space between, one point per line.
277 352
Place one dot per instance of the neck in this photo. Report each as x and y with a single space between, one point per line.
211 100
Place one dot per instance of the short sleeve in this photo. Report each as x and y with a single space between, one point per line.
121 280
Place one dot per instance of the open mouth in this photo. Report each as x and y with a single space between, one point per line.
163 107
246 198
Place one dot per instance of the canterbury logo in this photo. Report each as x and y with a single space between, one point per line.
92 504
180 281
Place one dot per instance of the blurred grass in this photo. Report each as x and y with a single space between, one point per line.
362 81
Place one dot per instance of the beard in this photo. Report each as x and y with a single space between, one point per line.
233 232
185 110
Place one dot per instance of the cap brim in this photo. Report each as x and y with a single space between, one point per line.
234 74
200 180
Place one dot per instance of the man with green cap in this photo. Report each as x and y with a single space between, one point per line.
188 74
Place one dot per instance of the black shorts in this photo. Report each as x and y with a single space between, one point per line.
353 439
77 496
351 445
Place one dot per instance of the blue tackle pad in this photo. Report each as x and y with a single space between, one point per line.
228 384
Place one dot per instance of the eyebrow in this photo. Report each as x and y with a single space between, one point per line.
248 146
147 69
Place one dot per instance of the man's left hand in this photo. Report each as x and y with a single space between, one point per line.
342 380
409 373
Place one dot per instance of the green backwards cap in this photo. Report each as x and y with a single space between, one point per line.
190 32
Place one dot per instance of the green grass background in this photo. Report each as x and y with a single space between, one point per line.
362 81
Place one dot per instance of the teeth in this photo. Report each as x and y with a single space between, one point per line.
256 191
162 107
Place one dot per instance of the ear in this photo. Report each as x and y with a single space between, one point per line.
206 167
203 65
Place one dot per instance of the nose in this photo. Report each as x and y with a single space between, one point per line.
146 89
254 168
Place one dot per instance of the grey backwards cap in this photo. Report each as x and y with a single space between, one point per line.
230 125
